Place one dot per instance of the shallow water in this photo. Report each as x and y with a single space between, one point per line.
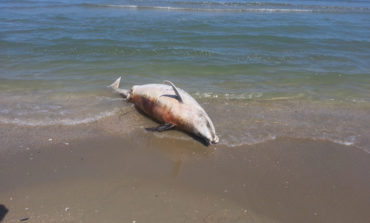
278 68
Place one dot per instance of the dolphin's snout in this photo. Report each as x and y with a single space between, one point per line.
215 140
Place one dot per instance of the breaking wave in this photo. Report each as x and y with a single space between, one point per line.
65 121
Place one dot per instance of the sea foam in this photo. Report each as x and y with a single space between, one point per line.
65 121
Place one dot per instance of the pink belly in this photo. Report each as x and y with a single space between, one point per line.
155 110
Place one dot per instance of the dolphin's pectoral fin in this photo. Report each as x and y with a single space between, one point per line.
161 128
165 127
175 90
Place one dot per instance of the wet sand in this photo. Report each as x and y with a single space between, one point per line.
141 177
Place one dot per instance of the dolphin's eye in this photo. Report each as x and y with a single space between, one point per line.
208 125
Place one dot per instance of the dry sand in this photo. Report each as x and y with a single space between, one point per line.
144 178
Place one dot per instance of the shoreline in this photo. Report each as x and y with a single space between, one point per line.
145 178
237 123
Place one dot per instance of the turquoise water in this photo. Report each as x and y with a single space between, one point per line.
57 56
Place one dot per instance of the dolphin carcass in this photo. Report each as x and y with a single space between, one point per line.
172 107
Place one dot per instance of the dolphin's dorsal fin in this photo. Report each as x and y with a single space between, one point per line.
175 90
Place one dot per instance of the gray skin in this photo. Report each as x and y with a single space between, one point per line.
172 107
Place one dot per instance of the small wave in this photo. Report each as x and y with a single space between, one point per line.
65 122
171 8
349 141
285 97
253 8
228 3
208 6
246 96
346 143
232 142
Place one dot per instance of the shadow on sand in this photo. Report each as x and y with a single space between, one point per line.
3 212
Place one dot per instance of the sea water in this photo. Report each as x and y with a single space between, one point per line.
262 69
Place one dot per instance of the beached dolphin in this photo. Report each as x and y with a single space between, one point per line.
170 106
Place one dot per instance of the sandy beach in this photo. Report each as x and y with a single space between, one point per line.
141 177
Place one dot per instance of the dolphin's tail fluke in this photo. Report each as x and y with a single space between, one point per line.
115 84
123 92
